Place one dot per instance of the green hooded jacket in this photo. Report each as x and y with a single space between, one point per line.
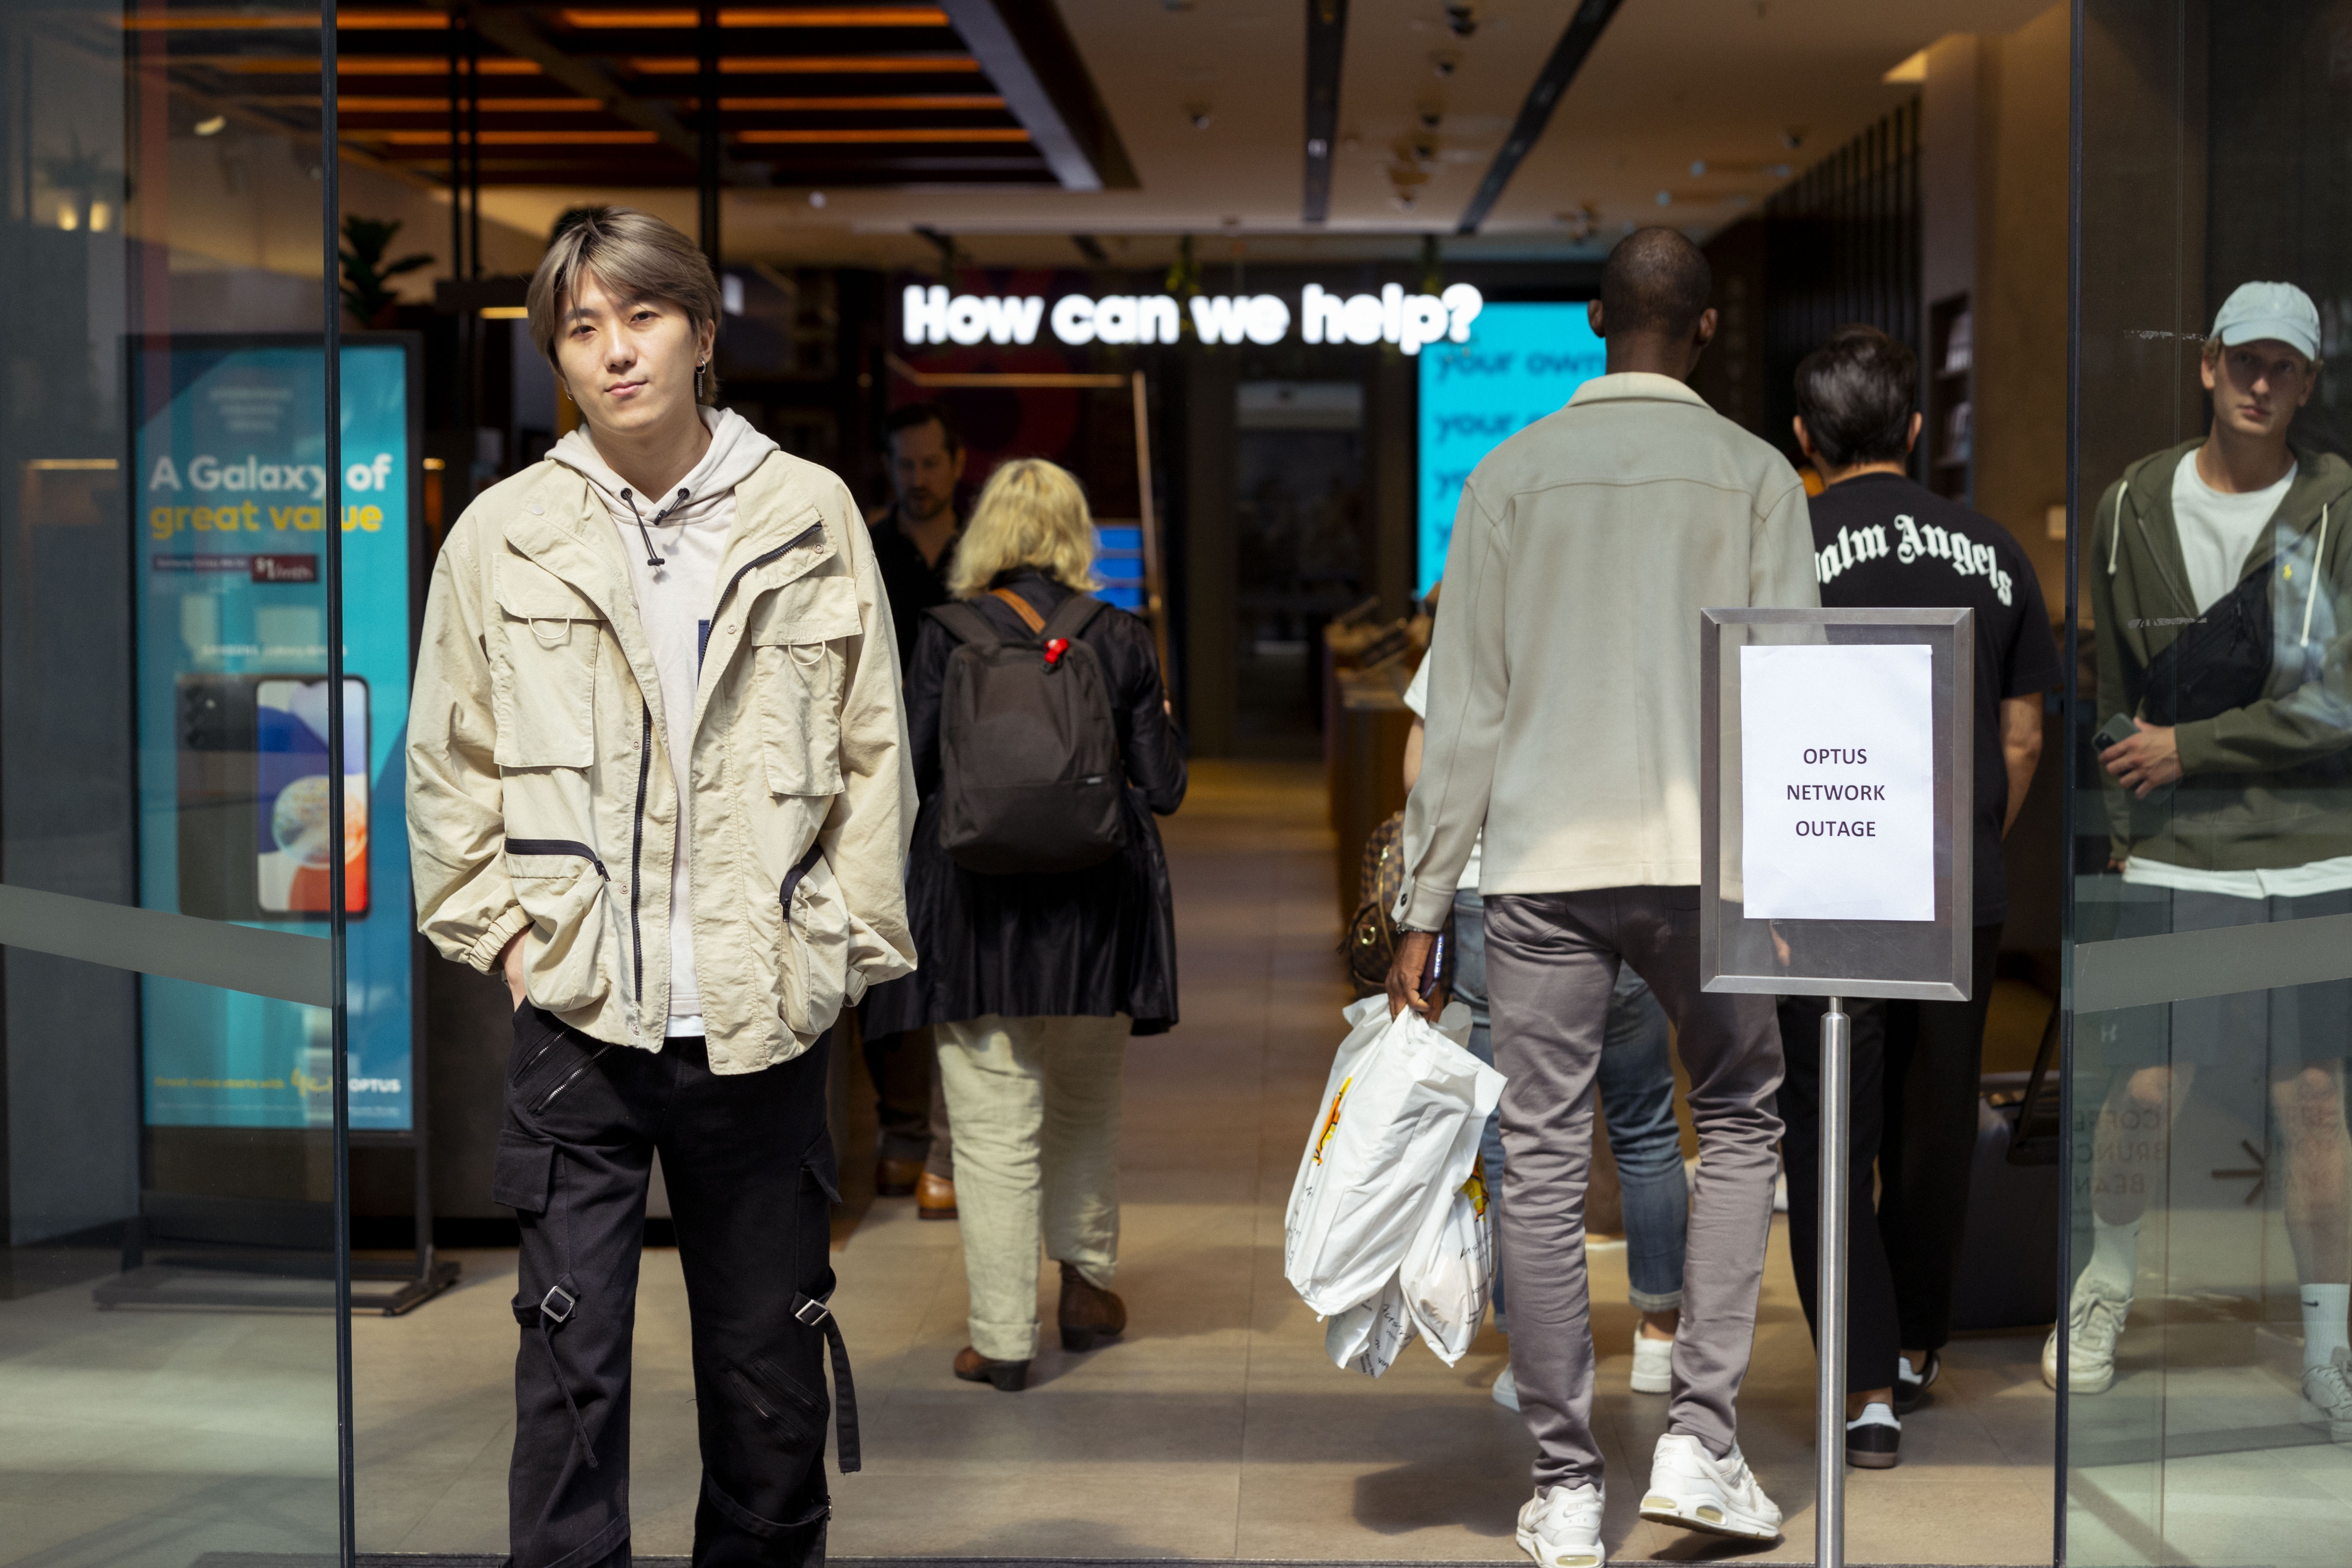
2268 786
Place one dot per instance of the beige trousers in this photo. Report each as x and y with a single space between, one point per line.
1035 1107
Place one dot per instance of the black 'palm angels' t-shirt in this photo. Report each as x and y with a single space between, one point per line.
1880 541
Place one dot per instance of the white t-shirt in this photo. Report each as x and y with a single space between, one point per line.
1416 696
2216 530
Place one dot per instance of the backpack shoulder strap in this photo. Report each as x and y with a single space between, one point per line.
1021 607
1071 617
967 624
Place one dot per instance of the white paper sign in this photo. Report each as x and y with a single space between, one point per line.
1836 754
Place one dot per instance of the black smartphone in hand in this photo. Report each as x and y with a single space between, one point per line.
2115 731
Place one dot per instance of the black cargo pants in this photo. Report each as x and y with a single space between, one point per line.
750 1170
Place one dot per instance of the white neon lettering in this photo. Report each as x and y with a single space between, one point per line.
1073 319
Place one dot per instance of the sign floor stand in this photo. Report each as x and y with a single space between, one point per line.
1829 1414
1835 846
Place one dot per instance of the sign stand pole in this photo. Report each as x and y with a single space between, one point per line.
1829 1414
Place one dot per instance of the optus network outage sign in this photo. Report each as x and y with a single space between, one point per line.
1837 782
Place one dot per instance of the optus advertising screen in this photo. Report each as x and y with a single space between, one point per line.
1522 361
235 793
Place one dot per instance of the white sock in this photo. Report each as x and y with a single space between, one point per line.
1875 1414
2324 1310
2114 1257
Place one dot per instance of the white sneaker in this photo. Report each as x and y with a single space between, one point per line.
1691 1487
1560 1527
1506 1394
2327 1396
2095 1322
1654 1364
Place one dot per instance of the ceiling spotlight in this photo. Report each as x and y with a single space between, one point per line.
816 199
1698 168
1580 220
1794 137
1401 200
1432 114
1665 198
1200 115
212 127
1461 17
1444 64
1318 148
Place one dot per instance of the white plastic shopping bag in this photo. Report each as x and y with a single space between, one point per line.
1449 1270
1389 1133
1368 1336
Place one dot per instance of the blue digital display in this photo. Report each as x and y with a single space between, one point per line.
1522 361
232 781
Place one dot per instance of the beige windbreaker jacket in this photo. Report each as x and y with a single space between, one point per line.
541 799
1564 704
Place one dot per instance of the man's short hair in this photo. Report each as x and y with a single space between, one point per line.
1855 395
635 256
915 415
1654 281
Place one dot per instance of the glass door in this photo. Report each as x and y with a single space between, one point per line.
184 796
2207 1418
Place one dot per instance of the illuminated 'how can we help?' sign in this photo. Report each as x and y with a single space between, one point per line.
1391 316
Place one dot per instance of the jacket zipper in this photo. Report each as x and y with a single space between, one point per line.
800 867
638 859
558 846
815 530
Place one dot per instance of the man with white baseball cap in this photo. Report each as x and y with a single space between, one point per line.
2220 577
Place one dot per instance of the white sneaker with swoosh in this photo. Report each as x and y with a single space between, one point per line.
1691 1487
1560 1527
2327 1396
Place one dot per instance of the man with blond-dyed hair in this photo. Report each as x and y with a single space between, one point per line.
658 782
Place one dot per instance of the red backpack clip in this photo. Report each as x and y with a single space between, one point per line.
1056 649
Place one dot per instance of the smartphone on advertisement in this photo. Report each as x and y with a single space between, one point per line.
293 839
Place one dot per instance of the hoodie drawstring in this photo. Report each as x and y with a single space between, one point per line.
653 556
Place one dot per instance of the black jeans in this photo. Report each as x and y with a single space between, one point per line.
750 1169
1917 1070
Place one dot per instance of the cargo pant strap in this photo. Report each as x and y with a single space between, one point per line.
817 1314
555 1309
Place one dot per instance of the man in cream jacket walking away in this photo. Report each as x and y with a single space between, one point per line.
1565 722
659 780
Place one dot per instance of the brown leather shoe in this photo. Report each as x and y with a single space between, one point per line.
934 1197
1089 1313
1009 1377
896 1178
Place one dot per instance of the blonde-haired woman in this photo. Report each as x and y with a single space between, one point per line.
1033 981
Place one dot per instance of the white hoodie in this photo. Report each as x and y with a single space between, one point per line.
685 531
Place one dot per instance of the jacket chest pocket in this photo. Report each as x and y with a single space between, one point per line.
544 687
798 672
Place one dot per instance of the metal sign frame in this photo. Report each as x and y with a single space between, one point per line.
1736 953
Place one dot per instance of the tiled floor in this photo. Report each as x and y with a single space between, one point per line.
1217 1428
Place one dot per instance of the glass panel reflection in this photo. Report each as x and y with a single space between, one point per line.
167 1356
2205 1356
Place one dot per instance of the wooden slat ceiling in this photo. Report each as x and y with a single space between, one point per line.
606 95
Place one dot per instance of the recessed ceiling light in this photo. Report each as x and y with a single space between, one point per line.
212 127
816 199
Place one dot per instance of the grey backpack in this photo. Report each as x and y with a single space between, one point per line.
1028 748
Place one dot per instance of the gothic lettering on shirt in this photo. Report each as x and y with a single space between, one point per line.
1916 543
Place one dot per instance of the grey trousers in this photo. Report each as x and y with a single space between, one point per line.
1551 962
